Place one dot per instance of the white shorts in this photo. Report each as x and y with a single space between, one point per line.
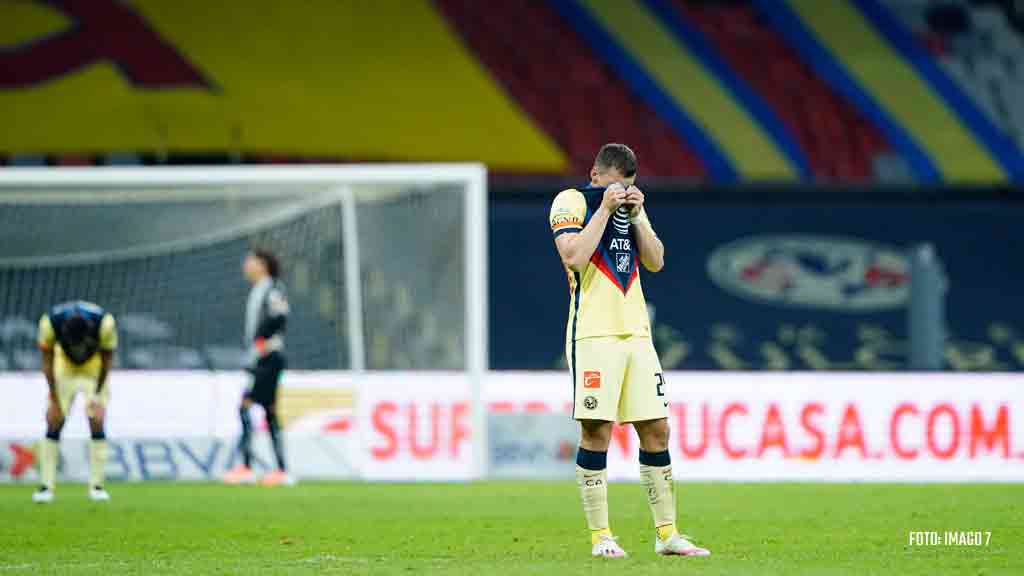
69 386
617 378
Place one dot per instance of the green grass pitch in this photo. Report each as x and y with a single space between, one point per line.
503 528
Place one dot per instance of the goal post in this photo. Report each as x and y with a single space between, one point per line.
391 261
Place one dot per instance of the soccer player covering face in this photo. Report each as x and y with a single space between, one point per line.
603 235
77 340
265 317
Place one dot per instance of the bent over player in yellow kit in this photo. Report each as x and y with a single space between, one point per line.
602 233
77 340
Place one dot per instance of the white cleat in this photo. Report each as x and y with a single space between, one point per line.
607 547
98 494
42 496
678 545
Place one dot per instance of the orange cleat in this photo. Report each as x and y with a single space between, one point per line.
278 478
240 474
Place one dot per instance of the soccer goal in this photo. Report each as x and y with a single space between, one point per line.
386 265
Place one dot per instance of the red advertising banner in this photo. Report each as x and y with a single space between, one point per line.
419 426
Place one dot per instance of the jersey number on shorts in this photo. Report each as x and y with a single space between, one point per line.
661 384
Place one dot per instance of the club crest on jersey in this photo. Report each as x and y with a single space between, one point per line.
592 379
590 403
622 262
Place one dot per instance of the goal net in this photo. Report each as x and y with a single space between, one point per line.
385 266
385 269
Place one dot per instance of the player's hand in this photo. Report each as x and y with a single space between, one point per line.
261 346
614 196
635 200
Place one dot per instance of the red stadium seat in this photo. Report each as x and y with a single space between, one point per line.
576 98
838 141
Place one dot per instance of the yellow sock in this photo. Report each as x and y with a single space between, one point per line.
661 497
594 490
665 532
595 535
97 462
48 456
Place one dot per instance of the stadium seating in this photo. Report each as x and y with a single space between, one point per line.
977 45
581 98
839 142
577 98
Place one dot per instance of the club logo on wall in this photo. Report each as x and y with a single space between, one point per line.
813 272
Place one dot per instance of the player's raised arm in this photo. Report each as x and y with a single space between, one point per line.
650 248
576 248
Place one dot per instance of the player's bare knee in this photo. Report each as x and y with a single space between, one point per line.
54 419
595 435
54 426
653 434
97 428
53 413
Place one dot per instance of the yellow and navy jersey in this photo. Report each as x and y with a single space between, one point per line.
606 298
103 336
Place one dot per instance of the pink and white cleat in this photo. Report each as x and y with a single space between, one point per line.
278 478
678 545
607 547
240 474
